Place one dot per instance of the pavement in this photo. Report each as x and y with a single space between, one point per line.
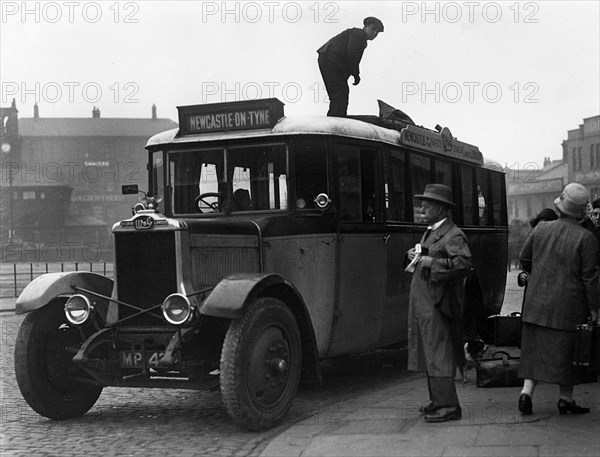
387 422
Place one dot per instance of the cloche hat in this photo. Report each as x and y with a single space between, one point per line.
573 200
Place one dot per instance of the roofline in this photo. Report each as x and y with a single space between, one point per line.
332 126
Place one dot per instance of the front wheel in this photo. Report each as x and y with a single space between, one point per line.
48 379
261 363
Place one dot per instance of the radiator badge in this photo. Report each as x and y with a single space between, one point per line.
143 223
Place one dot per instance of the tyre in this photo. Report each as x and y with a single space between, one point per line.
261 362
50 382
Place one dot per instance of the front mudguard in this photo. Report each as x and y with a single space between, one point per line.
43 289
234 293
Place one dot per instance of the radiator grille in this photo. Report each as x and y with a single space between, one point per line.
146 272
211 264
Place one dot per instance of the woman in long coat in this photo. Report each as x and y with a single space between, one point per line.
562 291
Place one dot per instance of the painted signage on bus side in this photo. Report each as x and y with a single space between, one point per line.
439 143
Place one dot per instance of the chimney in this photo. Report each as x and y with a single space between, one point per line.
36 111
153 111
96 113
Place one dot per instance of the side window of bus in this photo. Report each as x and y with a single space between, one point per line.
357 170
497 198
394 187
443 173
466 180
483 197
420 172
310 165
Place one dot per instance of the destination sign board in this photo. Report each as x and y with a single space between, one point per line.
439 142
229 116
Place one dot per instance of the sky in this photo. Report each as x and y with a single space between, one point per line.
510 77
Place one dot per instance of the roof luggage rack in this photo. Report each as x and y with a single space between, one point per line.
389 117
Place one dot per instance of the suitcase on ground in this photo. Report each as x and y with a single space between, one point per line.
504 330
498 367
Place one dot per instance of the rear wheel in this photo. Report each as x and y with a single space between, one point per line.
261 363
48 379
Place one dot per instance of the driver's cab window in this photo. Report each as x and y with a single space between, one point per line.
196 181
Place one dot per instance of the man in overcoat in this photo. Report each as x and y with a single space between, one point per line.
339 59
436 301
560 258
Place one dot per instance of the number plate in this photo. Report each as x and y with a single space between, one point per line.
135 359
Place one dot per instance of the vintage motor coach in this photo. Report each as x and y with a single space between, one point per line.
264 244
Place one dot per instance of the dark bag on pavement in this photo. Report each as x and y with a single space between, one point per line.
504 330
498 368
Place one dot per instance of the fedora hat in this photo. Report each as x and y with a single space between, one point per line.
438 193
573 200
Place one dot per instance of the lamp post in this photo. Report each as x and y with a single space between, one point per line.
5 148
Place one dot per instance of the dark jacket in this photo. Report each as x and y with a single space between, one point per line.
560 258
346 50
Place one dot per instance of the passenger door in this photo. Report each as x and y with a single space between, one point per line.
362 251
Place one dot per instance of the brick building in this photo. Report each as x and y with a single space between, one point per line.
581 150
82 160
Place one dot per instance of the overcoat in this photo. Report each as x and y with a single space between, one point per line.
436 301
560 258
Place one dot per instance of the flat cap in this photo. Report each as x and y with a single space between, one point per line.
373 21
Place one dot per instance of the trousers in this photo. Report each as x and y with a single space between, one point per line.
442 391
336 84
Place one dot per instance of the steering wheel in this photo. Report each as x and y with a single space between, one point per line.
200 199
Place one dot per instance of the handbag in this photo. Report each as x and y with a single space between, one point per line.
501 370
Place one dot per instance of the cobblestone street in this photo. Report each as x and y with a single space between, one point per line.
157 422
148 422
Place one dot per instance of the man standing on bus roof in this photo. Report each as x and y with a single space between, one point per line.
442 259
339 59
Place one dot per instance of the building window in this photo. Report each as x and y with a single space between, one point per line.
574 158
579 161
29 195
592 156
598 155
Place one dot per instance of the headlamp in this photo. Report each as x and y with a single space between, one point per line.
78 309
177 309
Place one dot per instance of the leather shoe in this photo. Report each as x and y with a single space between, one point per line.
525 404
428 408
444 414
571 407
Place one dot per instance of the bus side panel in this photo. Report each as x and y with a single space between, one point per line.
362 276
490 256
308 262
394 323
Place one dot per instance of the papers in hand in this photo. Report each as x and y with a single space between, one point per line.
412 265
